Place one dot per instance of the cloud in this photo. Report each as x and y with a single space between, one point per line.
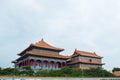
85 25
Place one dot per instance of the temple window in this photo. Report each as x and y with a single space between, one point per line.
90 60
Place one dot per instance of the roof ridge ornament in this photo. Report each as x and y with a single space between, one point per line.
75 52
75 49
44 44
94 52
42 39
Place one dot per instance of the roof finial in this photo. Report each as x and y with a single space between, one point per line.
94 53
42 39
75 49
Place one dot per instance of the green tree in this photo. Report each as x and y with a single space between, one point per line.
63 72
55 73
27 71
116 69
42 73
0 71
97 72
77 73
66 71
94 72
8 71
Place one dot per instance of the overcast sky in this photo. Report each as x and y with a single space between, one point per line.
87 25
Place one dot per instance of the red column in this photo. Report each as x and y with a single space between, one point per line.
54 64
28 62
48 64
61 65
34 63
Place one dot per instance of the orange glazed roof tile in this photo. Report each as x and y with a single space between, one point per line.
47 54
43 44
84 53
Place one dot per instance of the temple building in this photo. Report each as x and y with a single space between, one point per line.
42 55
85 60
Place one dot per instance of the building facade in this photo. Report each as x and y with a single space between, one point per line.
85 60
42 55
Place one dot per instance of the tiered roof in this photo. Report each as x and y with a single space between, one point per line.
84 53
43 54
85 61
41 44
47 54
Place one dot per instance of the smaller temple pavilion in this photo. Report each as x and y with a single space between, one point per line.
42 55
85 60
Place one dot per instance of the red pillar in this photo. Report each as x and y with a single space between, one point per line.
48 64
28 62
61 65
54 64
